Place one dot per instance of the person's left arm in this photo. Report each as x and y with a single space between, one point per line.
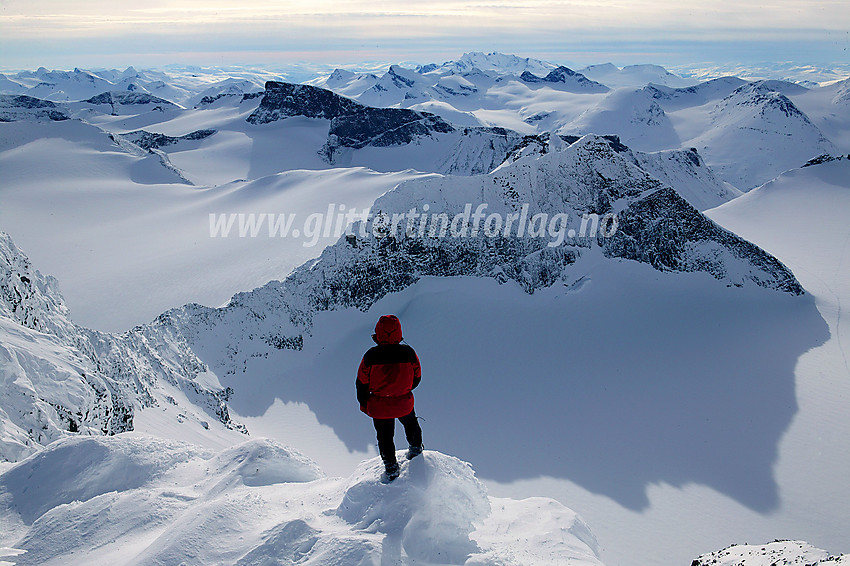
362 382
417 371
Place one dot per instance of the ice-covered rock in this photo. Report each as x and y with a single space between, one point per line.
776 553
60 379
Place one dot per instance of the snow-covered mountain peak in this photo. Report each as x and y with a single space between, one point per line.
756 118
498 63
633 115
566 78
59 379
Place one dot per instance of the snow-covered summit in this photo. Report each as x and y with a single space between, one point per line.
500 63
763 126
634 115
566 78
145 500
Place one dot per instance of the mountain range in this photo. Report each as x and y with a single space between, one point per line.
661 340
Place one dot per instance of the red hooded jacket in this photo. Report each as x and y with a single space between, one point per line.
388 373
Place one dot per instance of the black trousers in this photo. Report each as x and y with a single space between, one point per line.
386 430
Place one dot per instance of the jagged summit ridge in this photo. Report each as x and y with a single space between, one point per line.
60 379
589 177
565 75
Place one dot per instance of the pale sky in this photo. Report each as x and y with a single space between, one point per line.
56 33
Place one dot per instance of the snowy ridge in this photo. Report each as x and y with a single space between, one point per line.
60 379
635 116
493 62
150 501
633 75
657 227
754 116
683 169
24 107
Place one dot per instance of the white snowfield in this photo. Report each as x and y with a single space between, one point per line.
137 499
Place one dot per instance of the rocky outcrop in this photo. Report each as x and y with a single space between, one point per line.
663 230
566 76
127 98
153 140
776 553
22 107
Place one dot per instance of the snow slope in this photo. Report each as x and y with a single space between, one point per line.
136 499
129 238
757 133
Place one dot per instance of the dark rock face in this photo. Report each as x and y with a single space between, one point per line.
282 100
127 98
207 100
663 230
22 107
564 75
382 127
152 140
825 158
354 125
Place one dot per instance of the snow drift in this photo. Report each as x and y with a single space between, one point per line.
135 499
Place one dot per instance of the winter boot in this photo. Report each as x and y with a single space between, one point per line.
392 471
414 451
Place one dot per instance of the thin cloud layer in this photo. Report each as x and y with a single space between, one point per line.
323 27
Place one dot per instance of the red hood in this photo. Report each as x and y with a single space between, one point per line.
388 330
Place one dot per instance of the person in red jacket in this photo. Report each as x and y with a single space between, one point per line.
387 375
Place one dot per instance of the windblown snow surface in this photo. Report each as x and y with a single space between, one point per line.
137 499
